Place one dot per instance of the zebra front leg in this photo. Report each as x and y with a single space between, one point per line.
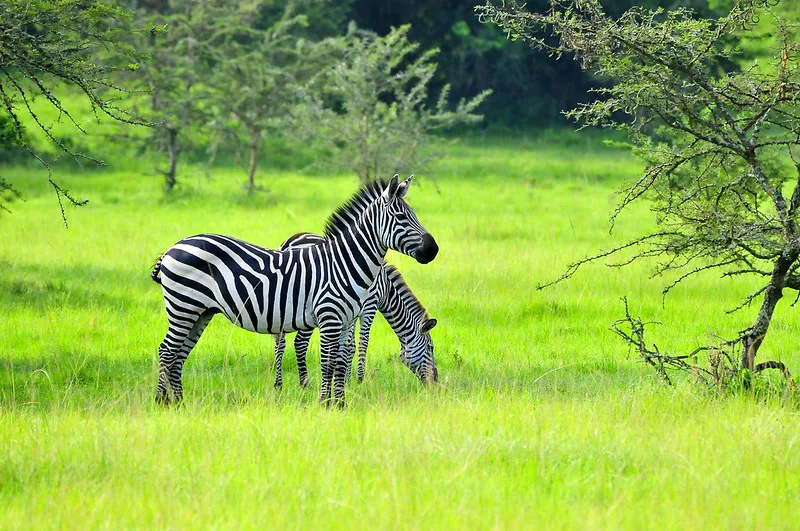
329 338
280 346
340 367
301 340
365 323
350 352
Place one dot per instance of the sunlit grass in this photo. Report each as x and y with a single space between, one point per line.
542 417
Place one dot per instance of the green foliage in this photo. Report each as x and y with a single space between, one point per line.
173 79
258 73
374 113
473 57
223 76
74 42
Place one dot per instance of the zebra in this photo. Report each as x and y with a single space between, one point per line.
272 291
390 295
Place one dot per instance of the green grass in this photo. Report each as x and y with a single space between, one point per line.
541 418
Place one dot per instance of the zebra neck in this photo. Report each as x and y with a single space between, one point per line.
361 254
401 309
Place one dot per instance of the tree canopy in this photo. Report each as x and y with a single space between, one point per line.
372 108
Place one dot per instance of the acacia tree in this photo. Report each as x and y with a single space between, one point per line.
720 144
257 72
174 76
46 43
371 109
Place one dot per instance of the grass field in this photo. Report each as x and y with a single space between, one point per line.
541 417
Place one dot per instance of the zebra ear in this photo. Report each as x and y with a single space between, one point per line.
404 186
428 325
391 189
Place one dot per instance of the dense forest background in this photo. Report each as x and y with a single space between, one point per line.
357 85
530 88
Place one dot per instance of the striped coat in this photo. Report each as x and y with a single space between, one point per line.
272 291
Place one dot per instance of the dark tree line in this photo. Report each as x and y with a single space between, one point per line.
474 57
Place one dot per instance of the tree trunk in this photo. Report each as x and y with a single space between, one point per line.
255 137
755 336
173 158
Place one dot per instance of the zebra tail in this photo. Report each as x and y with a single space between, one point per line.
156 270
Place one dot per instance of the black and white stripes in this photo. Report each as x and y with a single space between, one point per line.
269 291
391 296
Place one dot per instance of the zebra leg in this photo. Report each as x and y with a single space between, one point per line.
365 323
329 338
350 352
165 360
169 354
340 367
176 369
280 346
301 340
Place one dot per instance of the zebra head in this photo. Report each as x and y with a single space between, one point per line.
417 353
402 230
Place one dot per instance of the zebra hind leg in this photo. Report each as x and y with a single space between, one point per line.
164 395
174 350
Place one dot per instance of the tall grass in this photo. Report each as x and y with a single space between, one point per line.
541 417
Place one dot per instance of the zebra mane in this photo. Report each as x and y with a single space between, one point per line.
348 213
399 283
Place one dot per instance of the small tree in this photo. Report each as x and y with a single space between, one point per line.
174 77
720 143
374 112
257 73
44 43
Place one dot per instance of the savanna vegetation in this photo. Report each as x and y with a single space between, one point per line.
542 415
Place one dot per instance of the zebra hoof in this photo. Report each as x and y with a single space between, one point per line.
166 401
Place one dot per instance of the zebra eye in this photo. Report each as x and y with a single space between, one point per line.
401 216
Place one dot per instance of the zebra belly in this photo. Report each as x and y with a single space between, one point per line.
255 301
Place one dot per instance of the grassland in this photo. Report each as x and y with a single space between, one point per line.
541 417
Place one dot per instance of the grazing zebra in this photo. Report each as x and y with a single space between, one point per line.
270 291
391 296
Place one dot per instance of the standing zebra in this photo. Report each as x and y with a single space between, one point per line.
268 291
390 295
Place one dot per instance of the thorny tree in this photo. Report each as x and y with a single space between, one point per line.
373 110
173 76
45 43
259 71
720 143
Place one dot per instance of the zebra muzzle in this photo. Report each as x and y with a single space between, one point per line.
427 250
427 374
